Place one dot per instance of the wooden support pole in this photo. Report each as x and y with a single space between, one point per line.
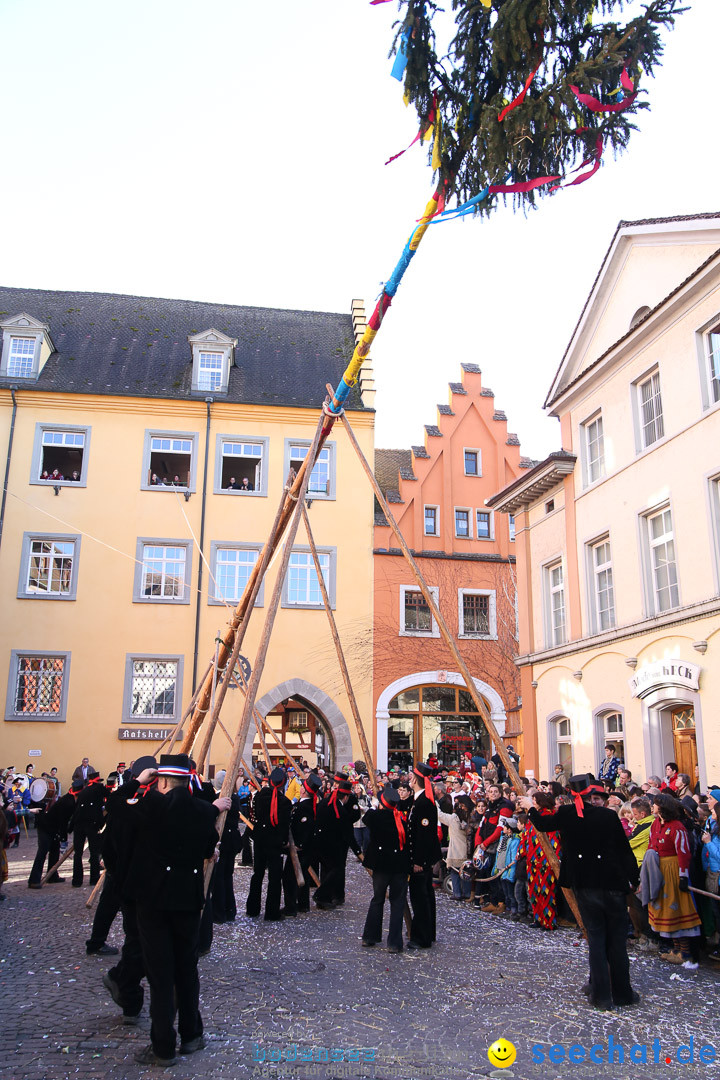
204 747
244 725
91 898
235 632
548 851
53 869
263 744
341 657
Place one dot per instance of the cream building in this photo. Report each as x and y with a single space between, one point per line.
171 426
618 534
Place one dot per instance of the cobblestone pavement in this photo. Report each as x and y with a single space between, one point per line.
305 987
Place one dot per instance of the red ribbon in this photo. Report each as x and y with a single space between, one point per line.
526 185
312 792
421 133
595 105
521 96
274 807
591 172
399 820
333 802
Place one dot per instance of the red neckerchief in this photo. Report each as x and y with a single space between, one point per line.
577 796
310 791
429 793
399 821
274 806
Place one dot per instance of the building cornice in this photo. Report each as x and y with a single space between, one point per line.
469 557
702 610
528 489
173 407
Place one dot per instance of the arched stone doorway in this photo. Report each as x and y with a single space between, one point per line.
334 725
432 712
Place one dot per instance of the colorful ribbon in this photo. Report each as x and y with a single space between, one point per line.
591 172
401 57
521 96
595 105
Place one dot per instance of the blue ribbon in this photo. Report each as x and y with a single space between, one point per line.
401 57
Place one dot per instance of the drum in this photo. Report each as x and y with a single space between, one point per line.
52 789
38 790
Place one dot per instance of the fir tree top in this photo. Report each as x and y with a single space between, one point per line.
497 44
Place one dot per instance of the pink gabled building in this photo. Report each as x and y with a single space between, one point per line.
437 493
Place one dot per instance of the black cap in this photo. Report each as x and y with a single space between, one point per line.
174 765
143 763
278 777
585 783
390 795
422 769
313 783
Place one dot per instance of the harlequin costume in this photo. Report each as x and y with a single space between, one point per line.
541 880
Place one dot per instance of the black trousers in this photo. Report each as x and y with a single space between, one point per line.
48 845
297 898
223 894
397 884
332 877
169 941
107 909
605 917
81 833
271 860
130 968
422 899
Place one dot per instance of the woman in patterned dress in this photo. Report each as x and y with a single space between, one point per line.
672 914
540 878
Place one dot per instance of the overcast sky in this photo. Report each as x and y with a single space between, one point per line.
233 151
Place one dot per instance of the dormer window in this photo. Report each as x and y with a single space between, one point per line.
26 346
213 355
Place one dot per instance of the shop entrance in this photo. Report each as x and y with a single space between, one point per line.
685 740
440 720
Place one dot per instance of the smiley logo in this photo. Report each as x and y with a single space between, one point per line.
502 1053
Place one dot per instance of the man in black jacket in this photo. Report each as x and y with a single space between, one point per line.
388 856
52 828
598 864
270 836
175 834
302 826
332 837
87 823
424 853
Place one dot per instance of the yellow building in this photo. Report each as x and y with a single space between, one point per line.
140 433
618 534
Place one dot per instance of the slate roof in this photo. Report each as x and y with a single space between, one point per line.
136 346
388 464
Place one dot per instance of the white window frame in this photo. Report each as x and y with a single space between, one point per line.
36 465
463 510
555 740
329 448
143 542
431 506
216 547
594 573
709 383
330 581
648 547
641 441
161 719
478 452
11 712
511 526
208 343
29 538
492 615
260 491
24 328
713 482
434 631
550 590
185 436
491 524
211 374
593 449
